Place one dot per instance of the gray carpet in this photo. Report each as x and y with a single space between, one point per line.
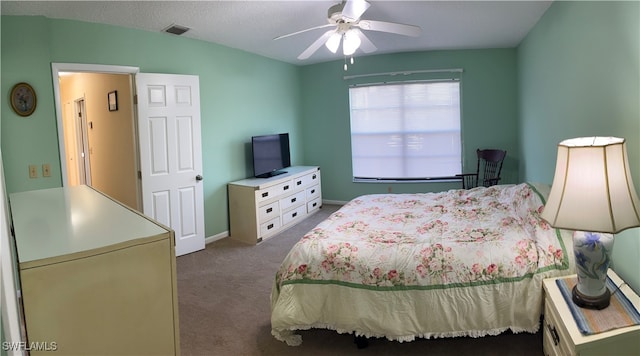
224 306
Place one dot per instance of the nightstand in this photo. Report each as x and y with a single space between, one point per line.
562 337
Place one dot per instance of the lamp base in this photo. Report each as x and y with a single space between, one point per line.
589 302
592 251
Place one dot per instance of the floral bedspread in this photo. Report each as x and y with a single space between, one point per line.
429 241
401 266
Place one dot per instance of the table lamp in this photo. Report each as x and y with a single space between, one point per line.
593 194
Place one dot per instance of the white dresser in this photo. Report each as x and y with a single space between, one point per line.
261 207
96 277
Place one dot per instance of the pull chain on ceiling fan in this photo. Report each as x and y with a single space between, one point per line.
347 29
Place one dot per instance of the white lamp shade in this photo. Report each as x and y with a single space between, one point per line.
333 42
592 188
351 43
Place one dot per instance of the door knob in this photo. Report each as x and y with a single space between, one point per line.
199 178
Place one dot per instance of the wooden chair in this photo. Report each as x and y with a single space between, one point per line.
488 169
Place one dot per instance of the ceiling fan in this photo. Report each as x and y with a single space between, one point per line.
345 18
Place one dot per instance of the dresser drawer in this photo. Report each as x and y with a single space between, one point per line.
269 211
313 192
299 183
553 342
559 339
270 227
548 344
292 200
294 214
308 180
273 191
314 204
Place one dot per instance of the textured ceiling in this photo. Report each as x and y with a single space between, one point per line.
252 25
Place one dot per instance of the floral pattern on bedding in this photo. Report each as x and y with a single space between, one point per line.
430 240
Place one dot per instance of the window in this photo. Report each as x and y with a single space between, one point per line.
407 131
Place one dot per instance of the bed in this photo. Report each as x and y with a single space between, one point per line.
401 266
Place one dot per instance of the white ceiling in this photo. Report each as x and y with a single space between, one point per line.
252 25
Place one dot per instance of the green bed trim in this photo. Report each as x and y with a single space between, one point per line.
415 287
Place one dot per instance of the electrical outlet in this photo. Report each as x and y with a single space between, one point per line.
33 171
46 170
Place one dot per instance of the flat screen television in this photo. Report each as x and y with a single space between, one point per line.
270 154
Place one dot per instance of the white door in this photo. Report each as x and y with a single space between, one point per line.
171 155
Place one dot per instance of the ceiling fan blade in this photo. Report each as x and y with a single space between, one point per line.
315 45
391 27
353 9
366 45
302 31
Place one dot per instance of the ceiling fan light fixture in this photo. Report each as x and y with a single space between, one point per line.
333 42
351 43
348 26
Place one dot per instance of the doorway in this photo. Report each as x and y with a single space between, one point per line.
98 145
168 170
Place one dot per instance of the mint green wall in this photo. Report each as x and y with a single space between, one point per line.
576 73
579 75
241 95
489 113
31 140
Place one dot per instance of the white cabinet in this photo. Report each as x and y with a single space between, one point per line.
561 336
96 277
261 207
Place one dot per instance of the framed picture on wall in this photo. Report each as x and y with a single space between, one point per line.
112 98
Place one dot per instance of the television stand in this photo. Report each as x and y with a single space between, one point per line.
260 208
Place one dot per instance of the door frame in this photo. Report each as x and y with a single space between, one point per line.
56 69
82 141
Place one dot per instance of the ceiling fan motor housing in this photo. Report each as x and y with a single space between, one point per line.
334 14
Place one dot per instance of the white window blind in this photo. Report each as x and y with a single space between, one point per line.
407 131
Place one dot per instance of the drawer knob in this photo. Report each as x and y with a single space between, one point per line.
294 215
270 226
265 194
299 182
269 210
293 200
286 187
554 334
313 191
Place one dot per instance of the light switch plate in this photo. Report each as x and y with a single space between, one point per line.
46 170
33 171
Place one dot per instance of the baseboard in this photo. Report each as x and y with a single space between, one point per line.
216 237
334 202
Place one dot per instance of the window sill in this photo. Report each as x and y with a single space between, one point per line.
407 180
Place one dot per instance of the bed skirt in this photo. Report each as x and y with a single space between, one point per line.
403 315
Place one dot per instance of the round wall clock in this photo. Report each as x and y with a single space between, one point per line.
23 99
